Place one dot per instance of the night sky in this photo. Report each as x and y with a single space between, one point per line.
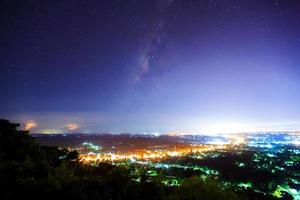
150 66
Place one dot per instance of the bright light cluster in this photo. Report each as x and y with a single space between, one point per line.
91 146
147 155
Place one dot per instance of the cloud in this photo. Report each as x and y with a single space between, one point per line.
72 127
60 122
30 125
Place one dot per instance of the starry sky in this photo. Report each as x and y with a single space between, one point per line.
150 66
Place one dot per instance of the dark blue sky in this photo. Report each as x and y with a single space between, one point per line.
153 66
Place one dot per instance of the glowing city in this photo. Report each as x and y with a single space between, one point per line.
273 156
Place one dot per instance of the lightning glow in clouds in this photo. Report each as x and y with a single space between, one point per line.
30 125
72 127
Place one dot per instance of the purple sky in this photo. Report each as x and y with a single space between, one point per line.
151 66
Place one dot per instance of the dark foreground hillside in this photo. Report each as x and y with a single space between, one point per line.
30 171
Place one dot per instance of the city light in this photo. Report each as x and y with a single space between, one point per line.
148 155
270 155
